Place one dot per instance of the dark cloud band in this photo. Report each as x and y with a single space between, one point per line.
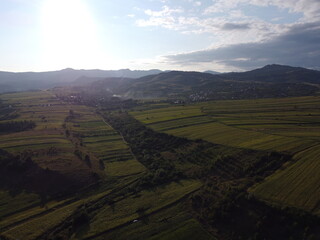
300 46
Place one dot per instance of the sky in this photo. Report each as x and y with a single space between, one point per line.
190 35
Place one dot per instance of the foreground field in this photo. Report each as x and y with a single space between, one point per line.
114 178
76 142
289 125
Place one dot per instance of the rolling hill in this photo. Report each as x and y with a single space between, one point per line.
269 81
266 82
278 73
22 81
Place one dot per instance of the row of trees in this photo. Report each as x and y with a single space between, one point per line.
148 146
16 126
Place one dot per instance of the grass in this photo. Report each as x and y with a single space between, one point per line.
102 141
190 229
50 113
290 125
17 202
47 112
123 168
165 114
171 223
126 210
20 216
296 186
39 225
287 125
36 227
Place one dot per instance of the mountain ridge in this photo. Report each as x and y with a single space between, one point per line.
21 81
281 79
270 81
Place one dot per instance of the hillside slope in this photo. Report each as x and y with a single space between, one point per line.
269 81
278 73
21 81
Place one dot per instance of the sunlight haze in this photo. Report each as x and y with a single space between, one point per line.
237 35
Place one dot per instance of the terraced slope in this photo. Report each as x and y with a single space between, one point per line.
52 145
102 142
289 125
46 144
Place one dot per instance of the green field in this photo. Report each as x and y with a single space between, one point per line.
102 142
180 225
49 114
68 128
99 141
290 125
126 210
155 200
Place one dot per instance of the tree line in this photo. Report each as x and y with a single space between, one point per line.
16 126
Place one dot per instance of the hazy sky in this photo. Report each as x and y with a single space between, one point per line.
221 35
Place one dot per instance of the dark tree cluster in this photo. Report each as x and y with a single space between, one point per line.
20 173
147 145
16 126
224 204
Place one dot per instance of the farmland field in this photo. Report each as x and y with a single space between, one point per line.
102 142
121 180
52 148
127 210
290 125
75 141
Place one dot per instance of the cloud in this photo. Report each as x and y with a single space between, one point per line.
166 11
163 18
242 42
232 27
235 26
195 3
299 46
224 29
310 8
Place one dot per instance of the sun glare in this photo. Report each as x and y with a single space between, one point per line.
69 33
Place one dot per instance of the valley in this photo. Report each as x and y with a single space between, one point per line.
159 120
153 169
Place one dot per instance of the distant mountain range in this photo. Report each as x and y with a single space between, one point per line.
269 81
212 72
278 73
10 81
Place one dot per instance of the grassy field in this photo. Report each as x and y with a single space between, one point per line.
10 202
290 125
190 229
123 212
76 141
49 114
297 185
102 142
38 226
23 214
171 223
127 210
